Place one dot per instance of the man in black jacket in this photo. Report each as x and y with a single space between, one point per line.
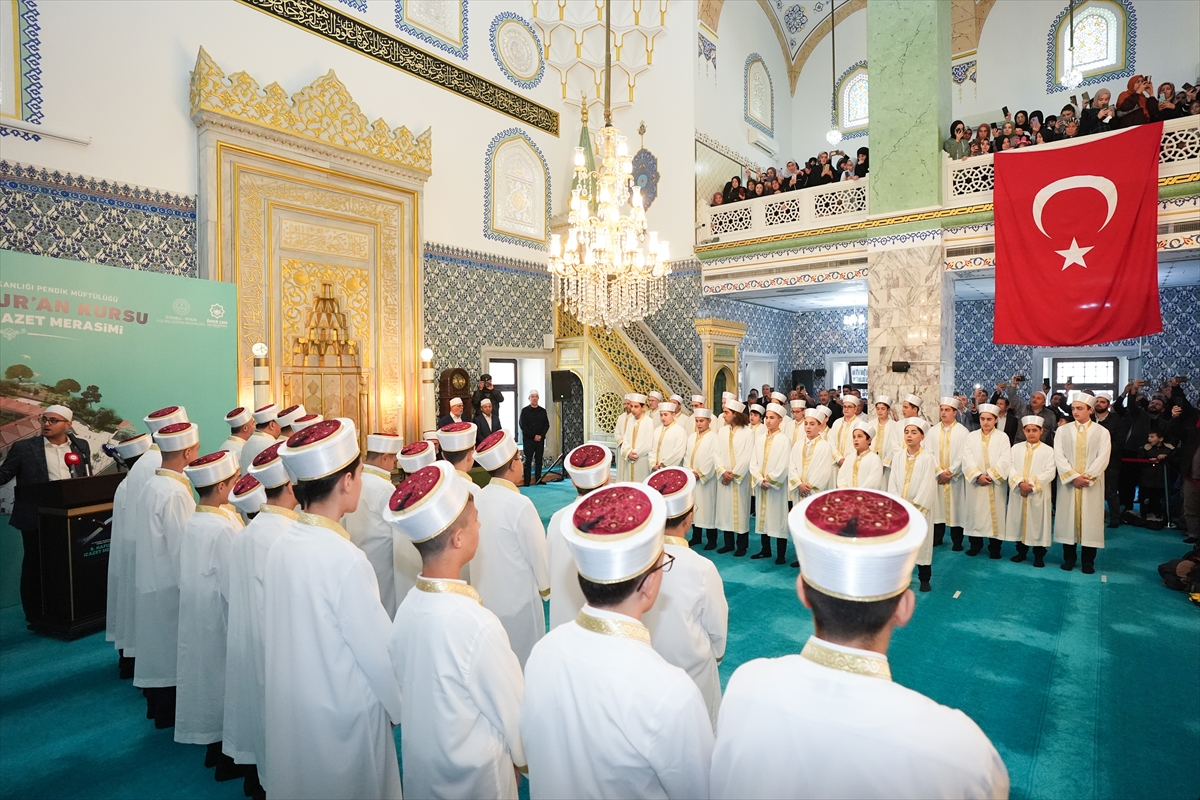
1117 430
487 391
54 456
1141 416
534 425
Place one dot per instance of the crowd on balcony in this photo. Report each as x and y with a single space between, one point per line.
1137 105
819 170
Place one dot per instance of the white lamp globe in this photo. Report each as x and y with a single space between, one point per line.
427 354
834 136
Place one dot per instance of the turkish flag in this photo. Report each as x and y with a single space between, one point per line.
1076 241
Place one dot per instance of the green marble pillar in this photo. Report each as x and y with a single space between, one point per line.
908 57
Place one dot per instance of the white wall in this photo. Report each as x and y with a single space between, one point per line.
814 88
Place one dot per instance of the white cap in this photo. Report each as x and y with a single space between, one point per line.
736 405
677 399
637 398
917 422
268 468
675 484
177 436
758 408
1083 397
384 443
778 409
728 396
779 397
655 395
667 405
864 426
1033 419
883 398
212 468
988 408
698 398
456 401
851 399
308 419
815 413
912 400
615 533
61 410
702 413
588 465
320 450
495 451
266 414
826 412
857 544
796 404
133 447
457 436
427 502
238 417
289 415
949 402
416 456
164 417
248 495
628 398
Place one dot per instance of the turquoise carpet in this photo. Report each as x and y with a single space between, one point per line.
1086 683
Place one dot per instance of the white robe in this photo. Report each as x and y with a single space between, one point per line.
946 446
700 459
733 451
1079 513
914 478
888 444
689 622
986 505
131 521
120 545
460 726
769 482
235 445
331 693
686 422
163 510
841 437
203 616
605 716
511 568
811 462
258 441
566 598
1028 519
622 422
639 438
244 737
372 535
670 445
861 471
793 728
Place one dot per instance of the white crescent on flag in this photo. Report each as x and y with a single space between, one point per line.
1098 182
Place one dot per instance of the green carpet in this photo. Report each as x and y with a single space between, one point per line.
1086 683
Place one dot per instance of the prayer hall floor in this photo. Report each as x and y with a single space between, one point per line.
1085 683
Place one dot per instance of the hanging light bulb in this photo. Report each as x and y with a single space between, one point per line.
834 135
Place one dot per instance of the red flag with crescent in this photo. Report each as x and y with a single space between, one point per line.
1076 241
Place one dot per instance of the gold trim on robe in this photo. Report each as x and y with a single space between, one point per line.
846 662
316 520
613 627
441 586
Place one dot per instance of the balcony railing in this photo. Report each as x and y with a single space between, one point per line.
965 183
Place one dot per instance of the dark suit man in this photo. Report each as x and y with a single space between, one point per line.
534 425
41 459
486 422
455 415
487 390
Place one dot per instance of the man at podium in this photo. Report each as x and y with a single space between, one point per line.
56 455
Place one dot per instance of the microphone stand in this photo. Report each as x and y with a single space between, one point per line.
83 467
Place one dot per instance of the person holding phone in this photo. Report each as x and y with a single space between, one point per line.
487 391
958 146
1099 116
1137 105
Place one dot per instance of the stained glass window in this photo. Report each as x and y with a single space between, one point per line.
852 106
1099 36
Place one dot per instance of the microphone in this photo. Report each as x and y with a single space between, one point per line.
74 458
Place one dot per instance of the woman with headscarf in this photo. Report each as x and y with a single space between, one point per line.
731 189
863 167
1137 104
958 146
1099 116
1035 125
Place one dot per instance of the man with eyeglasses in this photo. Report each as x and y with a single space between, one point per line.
56 455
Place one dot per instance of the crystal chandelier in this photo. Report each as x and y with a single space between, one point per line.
834 134
602 275
1072 77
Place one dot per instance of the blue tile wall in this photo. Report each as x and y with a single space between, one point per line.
819 333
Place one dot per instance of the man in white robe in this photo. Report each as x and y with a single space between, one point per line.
945 441
914 478
622 420
841 433
163 510
332 696
365 524
689 623
241 428
887 437
510 568
122 553
861 468
733 451
605 716
682 418
1029 503
266 433
589 466
1081 451
460 733
986 468
769 481
203 608
789 725
653 401
670 439
701 461
637 444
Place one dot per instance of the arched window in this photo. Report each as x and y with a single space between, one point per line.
1104 43
516 191
850 101
760 95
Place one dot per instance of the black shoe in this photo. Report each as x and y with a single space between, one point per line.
227 770
795 565
1067 566
1019 557
1039 560
925 573
728 546
712 539
250 786
925 587
1069 552
956 538
957 547
939 532
1089 568
765 552
743 544
1114 524
975 548
125 668
697 537
781 551
994 546
1191 540
212 755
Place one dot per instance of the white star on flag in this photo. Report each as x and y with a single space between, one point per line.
1074 254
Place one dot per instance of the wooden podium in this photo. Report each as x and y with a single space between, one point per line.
74 531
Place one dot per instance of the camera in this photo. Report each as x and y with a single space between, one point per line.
1019 378
1181 378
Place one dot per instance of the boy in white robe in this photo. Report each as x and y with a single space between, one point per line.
787 723
1081 451
462 686
266 433
121 554
241 427
810 463
689 622
1029 505
637 443
653 401
986 468
887 437
914 479
732 454
682 418
511 569
945 441
605 716
332 697
163 510
841 433
670 439
769 481
203 608
457 441
266 496
796 432
700 461
366 525
861 468
406 561
589 466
